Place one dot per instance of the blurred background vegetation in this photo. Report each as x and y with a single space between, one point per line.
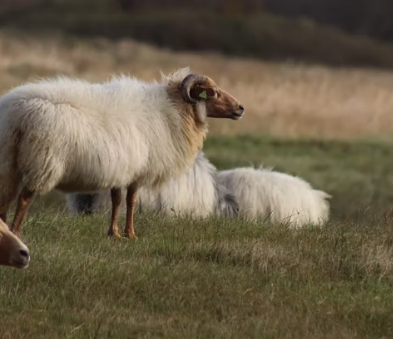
333 32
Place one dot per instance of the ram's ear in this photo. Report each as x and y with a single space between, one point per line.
199 92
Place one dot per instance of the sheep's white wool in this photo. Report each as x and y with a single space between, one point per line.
196 193
263 194
76 136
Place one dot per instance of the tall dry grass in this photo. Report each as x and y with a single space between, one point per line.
282 99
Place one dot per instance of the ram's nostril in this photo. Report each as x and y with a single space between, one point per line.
241 107
24 253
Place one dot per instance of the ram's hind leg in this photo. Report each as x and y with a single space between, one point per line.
131 201
5 207
22 207
116 201
8 193
3 212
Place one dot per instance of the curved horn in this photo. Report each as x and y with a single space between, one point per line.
186 85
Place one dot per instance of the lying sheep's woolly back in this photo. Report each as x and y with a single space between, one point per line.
263 194
76 136
196 193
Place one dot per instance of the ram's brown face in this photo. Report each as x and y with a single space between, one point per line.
12 250
219 104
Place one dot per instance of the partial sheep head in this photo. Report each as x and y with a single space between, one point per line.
13 252
197 88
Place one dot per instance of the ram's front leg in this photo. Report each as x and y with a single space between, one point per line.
24 200
116 201
131 201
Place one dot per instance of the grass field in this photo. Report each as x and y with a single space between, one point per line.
220 278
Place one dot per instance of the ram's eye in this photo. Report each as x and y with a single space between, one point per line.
203 95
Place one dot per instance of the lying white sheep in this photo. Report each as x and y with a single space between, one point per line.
196 193
259 194
276 197
76 136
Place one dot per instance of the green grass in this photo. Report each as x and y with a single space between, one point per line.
219 278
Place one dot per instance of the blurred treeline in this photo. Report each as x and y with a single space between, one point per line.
335 32
369 17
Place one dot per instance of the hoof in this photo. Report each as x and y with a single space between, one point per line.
131 236
113 234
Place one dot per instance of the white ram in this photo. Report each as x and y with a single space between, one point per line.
75 136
